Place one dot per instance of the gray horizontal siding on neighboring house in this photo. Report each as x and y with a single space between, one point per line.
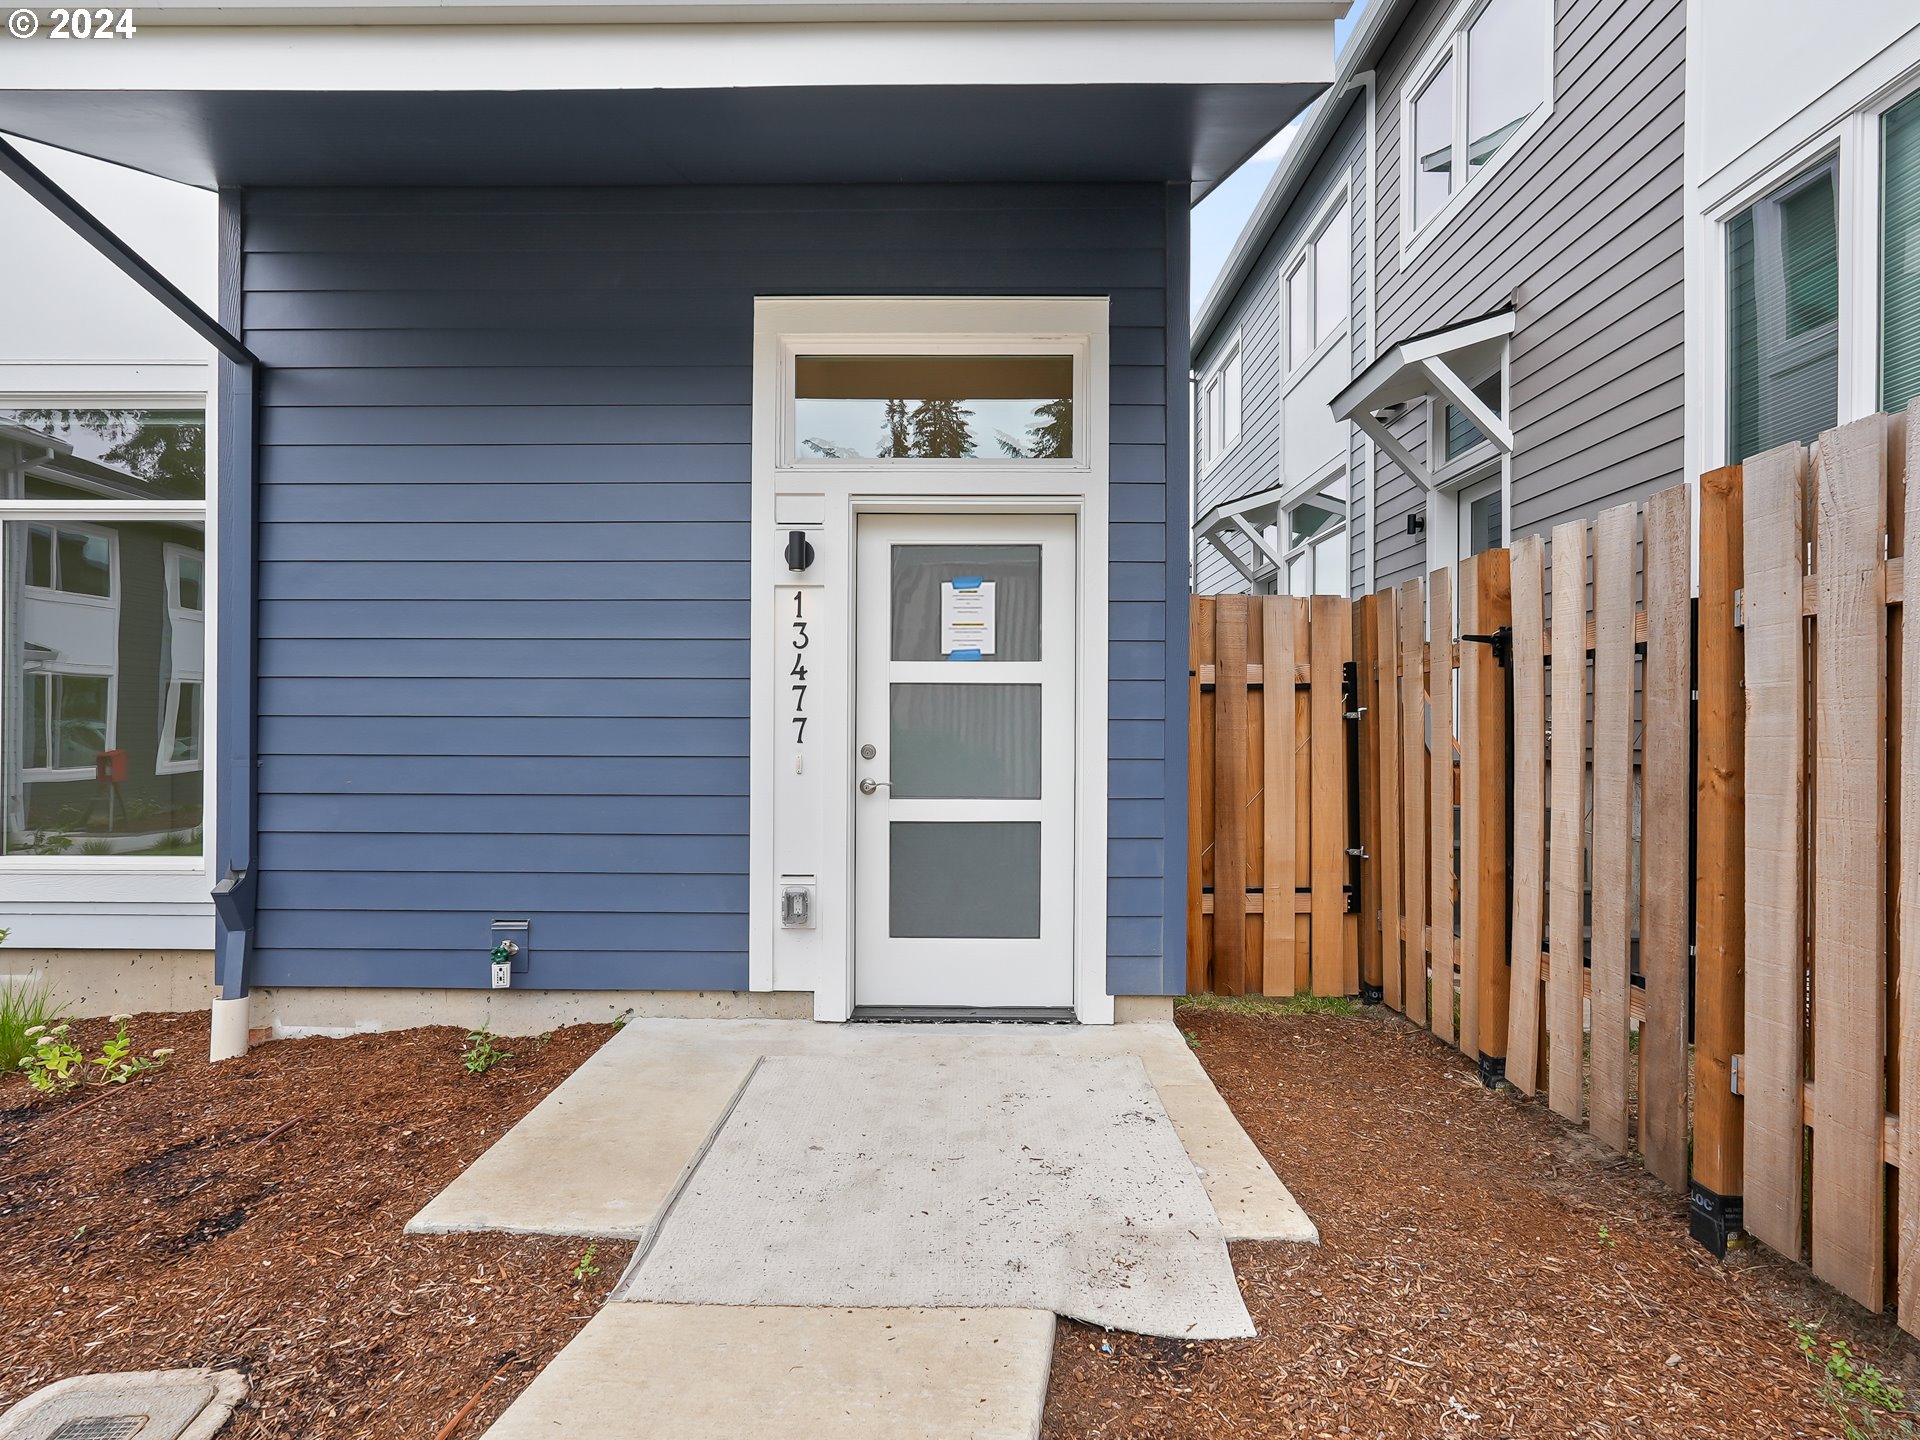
503 589
1256 315
1583 230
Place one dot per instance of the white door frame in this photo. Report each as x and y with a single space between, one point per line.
801 807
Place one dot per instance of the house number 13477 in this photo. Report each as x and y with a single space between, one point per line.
797 673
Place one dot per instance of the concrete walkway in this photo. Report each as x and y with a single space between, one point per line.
603 1152
721 1372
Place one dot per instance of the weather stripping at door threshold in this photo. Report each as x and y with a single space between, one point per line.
963 1014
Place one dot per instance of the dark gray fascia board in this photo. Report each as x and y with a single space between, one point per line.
1363 49
76 217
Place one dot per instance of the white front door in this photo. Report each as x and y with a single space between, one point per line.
963 741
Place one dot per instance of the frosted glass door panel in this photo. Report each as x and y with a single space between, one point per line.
965 881
919 571
966 742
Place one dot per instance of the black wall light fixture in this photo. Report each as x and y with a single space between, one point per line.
799 550
1416 524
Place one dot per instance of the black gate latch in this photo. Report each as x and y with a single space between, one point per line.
1501 642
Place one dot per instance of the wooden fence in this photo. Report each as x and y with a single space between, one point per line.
1642 852
1269 788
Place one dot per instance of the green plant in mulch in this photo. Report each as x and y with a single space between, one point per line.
1868 1405
481 1054
585 1268
25 1006
57 1063
1273 1004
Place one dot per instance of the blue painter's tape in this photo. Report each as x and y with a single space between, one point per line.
963 655
966 582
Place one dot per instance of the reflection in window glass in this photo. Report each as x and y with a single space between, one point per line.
1433 144
1300 313
1330 280
124 454
1900 254
104 720
1783 317
933 407
1462 434
1507 73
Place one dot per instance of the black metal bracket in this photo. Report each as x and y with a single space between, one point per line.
1493 1071
1500 641
1716 1221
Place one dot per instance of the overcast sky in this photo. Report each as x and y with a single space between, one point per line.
1218 218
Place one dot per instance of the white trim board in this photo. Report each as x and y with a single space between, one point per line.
529 57
801 822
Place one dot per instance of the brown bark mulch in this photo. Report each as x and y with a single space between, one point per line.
1485 1269
250 1214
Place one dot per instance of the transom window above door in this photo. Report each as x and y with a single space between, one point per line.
933 407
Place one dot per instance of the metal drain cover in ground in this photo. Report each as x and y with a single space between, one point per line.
142 1405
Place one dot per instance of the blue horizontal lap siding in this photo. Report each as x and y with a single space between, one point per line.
503 581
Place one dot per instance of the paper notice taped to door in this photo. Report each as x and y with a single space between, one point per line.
966 618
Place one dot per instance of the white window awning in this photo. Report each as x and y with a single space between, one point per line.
1428 367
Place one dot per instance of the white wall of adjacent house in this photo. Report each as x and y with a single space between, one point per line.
1776 90
108 930
66 303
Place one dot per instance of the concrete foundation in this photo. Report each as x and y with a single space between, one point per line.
90 983
288 1012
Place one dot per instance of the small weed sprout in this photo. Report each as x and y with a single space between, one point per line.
584 1268
481 1054
1606 1235
1860 1395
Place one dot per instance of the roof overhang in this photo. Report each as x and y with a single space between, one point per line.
1032 100
1376 26
1429 366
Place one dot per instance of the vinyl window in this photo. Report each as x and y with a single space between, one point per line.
1220 407
1483 87
1319 287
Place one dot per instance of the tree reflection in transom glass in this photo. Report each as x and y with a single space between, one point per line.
933 407
122 454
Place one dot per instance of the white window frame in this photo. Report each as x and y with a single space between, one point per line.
1226 365
1453 484
60 774
1852 144
73 877
1305 258
108 601
1469 465
1490 483
174 553
1340 530
1451 44
163 763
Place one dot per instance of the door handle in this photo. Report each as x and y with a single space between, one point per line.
869 785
